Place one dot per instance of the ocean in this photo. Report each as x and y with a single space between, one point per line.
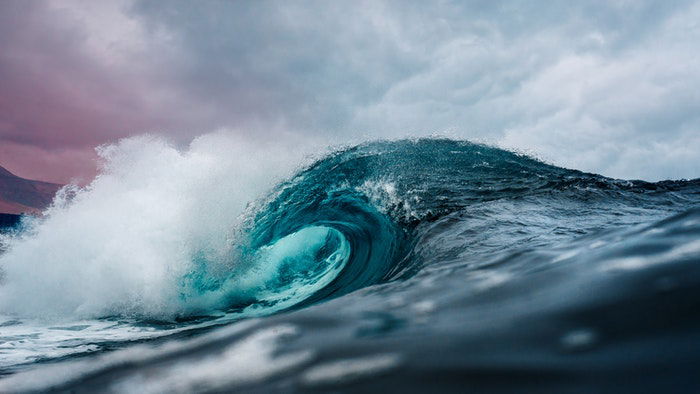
427 265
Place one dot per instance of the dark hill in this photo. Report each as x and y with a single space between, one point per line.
19 195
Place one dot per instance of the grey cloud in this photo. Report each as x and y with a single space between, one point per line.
603 86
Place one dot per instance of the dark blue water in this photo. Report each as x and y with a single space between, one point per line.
8 221
430 266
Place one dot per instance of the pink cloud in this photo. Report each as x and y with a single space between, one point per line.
50 165
58 100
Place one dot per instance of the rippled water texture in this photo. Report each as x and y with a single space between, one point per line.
423 265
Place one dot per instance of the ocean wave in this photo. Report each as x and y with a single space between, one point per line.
434 245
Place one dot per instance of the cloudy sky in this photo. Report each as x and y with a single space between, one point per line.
606 86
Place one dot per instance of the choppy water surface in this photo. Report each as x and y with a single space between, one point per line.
411 265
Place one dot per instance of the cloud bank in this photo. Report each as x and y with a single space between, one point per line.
608 87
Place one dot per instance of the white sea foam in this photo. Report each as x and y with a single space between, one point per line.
342 371
383 195
49 376
249 360
122 244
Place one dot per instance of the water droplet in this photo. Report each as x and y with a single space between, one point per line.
579 339
424 307
342 371
597 244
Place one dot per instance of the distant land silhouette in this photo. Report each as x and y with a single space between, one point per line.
19 195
